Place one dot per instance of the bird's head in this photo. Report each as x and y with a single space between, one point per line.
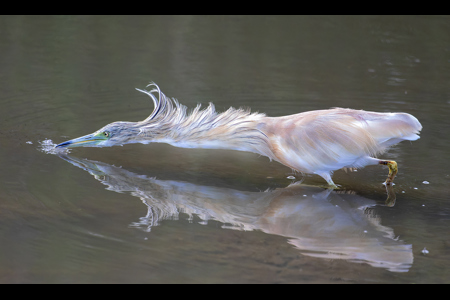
114 134
166 114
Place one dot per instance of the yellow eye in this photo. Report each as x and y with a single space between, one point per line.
106 133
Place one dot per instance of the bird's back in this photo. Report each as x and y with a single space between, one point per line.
327 140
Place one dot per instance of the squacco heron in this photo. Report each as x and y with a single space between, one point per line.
316 142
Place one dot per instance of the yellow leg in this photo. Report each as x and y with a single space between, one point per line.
393 169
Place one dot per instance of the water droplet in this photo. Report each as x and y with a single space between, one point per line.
425 251
415 188
48 147
290 177
425 182
30 142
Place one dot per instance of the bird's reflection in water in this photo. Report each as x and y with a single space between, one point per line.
320 223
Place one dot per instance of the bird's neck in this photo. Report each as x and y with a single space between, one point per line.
233 129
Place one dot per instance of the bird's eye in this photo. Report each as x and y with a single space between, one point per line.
106 133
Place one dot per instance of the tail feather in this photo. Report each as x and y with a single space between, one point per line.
392 128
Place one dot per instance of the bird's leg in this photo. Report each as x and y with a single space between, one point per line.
393 169
330 182
332 185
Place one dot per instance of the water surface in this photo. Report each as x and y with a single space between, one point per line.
160 214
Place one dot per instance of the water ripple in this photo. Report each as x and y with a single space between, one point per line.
48 147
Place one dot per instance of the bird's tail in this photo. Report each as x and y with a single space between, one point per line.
392 128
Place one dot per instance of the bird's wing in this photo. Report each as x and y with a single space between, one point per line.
326 140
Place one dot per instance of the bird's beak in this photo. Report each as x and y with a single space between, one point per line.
89 140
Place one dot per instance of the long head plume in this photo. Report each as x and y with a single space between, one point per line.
163 106
166 114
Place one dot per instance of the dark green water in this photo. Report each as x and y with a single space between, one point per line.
160 214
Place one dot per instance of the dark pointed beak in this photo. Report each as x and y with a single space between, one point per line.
89 140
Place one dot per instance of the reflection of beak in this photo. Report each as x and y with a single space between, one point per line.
84 164
84 141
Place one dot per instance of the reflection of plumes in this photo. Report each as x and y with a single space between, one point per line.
319 223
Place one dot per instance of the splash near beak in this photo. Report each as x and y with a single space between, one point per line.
89 140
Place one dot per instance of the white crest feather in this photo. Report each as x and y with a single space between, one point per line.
233 129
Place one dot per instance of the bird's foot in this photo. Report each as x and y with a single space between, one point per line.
393 169
333 186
